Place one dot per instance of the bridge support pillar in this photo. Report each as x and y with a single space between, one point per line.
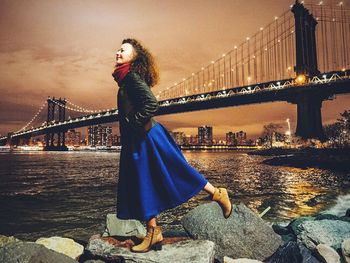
50 136
309 122
305 41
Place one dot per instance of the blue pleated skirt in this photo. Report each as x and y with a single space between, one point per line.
154 176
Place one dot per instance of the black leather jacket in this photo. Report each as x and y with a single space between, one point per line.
136 107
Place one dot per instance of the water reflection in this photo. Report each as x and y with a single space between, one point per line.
45 194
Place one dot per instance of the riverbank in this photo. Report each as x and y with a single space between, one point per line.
333 159
319 238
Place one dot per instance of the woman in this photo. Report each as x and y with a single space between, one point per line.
153 173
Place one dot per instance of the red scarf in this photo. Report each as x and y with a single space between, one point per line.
121 71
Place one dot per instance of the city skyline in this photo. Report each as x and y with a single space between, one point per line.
67 49
103 135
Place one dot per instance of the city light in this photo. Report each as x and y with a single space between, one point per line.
288 132
301 79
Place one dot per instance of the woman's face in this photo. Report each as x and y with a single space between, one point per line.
125 54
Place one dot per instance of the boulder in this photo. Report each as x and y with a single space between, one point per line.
294 224
326 216
329 232
4 240
289 237
243 235
308 257
347 213
292 252
345 250
327 254
281 230
62 245
344 218
194 251
240 260
29 252
123 228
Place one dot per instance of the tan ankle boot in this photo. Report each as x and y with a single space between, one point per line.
153 240
220 195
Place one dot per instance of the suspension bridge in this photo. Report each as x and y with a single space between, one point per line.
301 57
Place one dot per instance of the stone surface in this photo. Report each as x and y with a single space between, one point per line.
123 228
194 251
294 224
281 230
292 252
344 218
329 232
326 216
289 237
347 213
308 257
4 240
345 250
327 254
241 260
62 245
29 252
243 235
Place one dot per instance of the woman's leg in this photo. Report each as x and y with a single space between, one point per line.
151 223
220 195
209 188
153 238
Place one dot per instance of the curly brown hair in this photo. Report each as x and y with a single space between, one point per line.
143 63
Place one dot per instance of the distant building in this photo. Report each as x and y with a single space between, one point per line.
191 139
231 138
241 137
179 137
92 135
73 138
99 135
116 141
205 135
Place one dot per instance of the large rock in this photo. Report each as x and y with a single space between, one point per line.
329 232
4 240
327 254
294 225
345 249
28 252
292 252
241 260
62 245
243 235
194 251
347 213
123 228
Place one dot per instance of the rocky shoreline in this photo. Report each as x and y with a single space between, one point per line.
206 237
334 159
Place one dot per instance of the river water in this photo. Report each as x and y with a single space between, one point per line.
70 193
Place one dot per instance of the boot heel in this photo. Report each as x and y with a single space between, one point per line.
157 246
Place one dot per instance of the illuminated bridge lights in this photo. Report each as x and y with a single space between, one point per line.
263 87
237 91
301 79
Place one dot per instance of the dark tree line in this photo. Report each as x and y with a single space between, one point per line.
338 133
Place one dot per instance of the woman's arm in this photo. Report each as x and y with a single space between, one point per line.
144 102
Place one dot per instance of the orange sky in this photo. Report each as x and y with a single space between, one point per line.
67 49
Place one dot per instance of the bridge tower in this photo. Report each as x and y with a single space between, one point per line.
50 134
309 124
